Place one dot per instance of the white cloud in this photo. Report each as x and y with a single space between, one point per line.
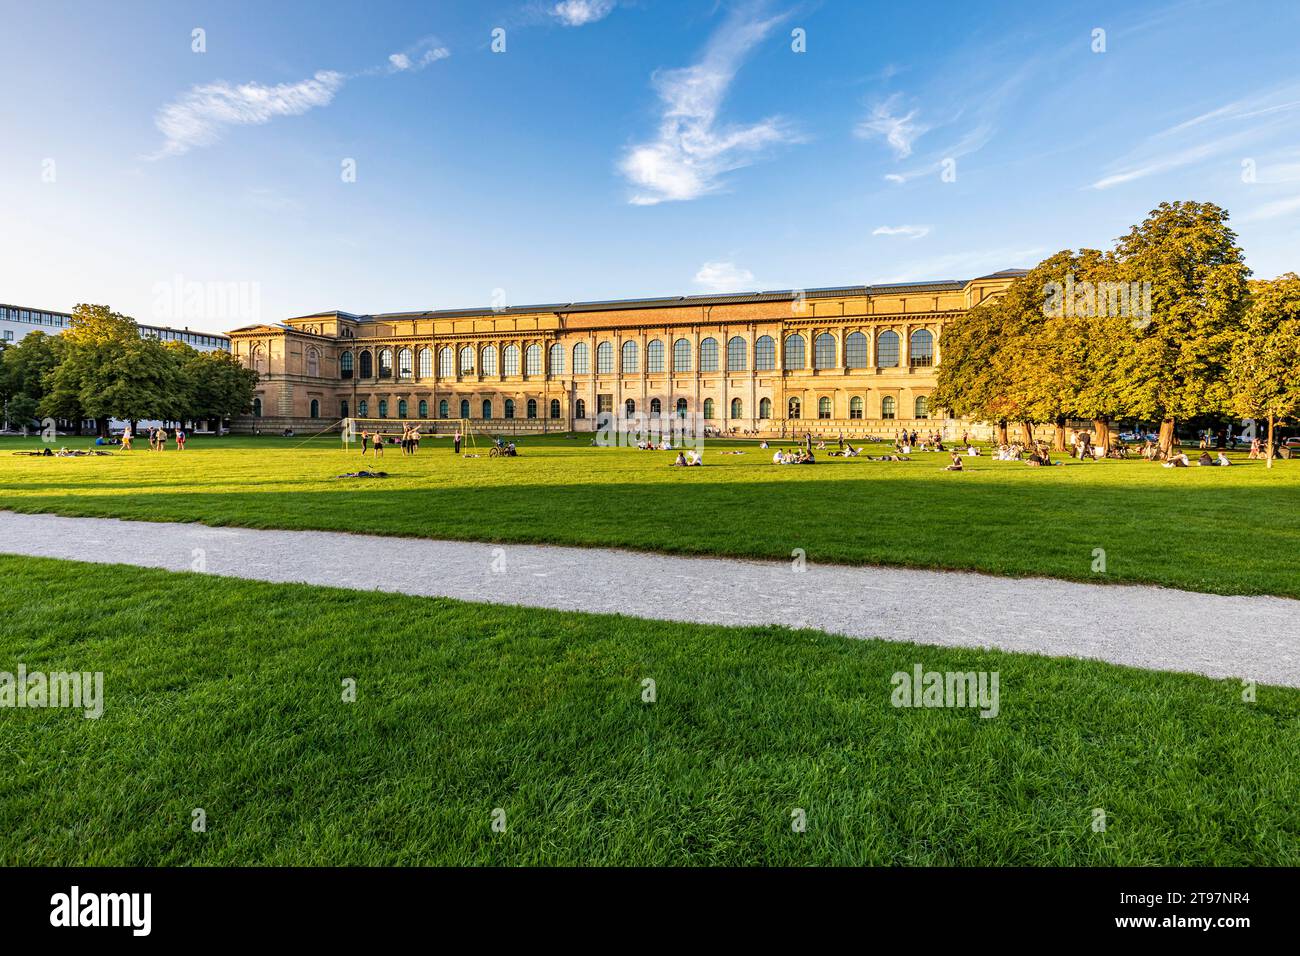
900 132
578 13
198 117
201 115
963 265
1244 124
692 150
724 277
908 232
1272 210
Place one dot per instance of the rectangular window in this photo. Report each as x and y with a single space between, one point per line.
604 403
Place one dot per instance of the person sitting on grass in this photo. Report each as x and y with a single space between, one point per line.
1179 460
1205 458
778 458
679 461
956 462
693 460
1223 460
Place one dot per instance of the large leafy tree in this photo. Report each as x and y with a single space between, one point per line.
94 343
23 370
1264 377
1198 280
220 386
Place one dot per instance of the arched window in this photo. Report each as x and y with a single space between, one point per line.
681 356
922 406
555 408
656 408
887 407
424 362
464 408
488 360
794 346
533 360
363 408
629 408
709 357
404 369
510 408
257 408
532 408
401 408
629 358
823 408
424 409
855 350
824 351
557 359
343 408
681 408
708 408
736 408
765 353
887 350
345 366
581 361
579 409
383 408
367 365
445 362
510 360
736 355
654 356
444 410
794 408
855 406
765 408
467 359
487 409
258 360
605 358
313 365
922 348
385 363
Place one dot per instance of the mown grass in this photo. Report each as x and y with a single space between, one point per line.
227 695
1226 530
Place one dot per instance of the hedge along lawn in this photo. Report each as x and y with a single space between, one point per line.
1227 530
227 695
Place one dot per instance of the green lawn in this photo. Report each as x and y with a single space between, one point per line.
226 695
1227 530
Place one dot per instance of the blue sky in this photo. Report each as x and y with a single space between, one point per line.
616 149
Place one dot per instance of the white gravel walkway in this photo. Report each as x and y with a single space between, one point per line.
1155 628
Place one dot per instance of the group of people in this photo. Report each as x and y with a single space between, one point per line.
687 459
157 438
802 456
1181 460
410 441
665 445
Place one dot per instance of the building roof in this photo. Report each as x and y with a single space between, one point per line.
660 302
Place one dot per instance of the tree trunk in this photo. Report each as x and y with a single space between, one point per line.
1029 434
1101 435
1166 442
1268 462
1002 433
1060 434
101 426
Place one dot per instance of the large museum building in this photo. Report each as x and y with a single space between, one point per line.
856 359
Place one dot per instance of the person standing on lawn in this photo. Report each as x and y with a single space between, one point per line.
456 447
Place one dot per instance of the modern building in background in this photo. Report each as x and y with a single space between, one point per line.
857 359
16 321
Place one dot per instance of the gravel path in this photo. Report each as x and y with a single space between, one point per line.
1155 628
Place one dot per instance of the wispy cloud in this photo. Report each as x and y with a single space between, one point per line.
900 132
907 232
1273 210
693 149
963 265
1240 125
724 277
201 115
578 13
